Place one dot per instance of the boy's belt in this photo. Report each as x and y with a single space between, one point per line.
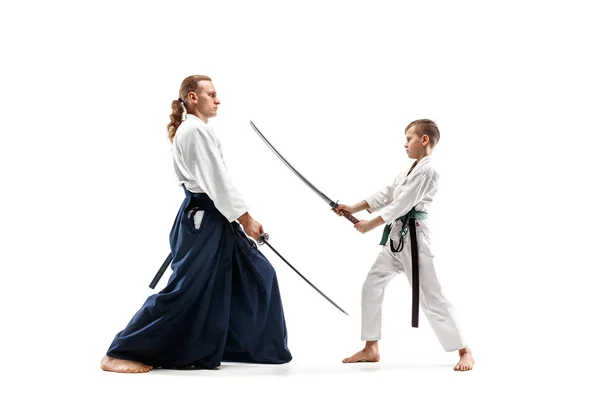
410 220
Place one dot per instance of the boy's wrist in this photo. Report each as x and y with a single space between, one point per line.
363 205
377 221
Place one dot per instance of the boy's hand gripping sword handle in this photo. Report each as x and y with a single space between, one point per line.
348 216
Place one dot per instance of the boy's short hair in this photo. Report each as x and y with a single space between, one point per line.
426 127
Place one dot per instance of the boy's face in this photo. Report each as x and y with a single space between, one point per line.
415 146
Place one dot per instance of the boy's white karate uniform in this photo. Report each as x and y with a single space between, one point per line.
416 190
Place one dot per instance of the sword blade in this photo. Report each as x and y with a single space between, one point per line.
263 239
332 204
298 174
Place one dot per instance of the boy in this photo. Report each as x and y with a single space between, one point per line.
407 198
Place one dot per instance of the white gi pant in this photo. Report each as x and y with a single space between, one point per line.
435 306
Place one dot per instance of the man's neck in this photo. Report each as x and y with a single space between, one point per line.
196 113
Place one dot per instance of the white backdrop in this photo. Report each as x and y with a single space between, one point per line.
90 195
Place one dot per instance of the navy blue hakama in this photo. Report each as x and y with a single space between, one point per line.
222 301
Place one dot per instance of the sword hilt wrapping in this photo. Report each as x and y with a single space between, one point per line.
349 217
345 213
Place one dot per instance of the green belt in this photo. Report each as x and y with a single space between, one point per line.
404 219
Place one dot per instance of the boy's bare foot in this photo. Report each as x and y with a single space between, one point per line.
369 354
116 365
466 361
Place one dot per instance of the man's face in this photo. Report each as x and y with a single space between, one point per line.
207 102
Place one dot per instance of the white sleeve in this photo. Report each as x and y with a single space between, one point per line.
201 157
415 190
381 198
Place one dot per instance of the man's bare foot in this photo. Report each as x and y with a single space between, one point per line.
116 365
369 354
466 361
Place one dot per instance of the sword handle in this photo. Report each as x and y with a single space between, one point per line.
349 217
263 238
345 213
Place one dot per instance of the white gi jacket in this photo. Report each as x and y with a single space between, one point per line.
199 165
